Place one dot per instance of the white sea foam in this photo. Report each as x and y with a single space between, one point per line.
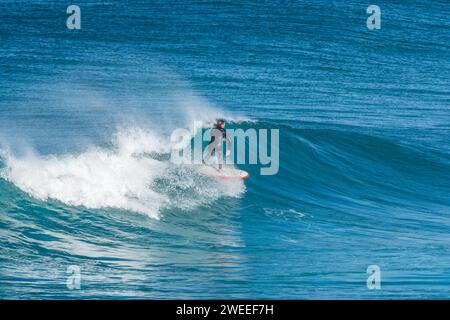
125 175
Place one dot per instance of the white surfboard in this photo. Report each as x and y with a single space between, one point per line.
225 173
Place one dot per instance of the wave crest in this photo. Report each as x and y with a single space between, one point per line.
133 173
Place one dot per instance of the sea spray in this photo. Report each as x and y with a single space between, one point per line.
132 174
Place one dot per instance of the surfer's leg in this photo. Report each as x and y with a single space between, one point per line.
209 153
220 158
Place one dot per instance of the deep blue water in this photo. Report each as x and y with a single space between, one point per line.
364 120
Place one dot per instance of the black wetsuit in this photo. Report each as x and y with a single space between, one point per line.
217 145
222 131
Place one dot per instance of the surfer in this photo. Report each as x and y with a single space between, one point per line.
215 146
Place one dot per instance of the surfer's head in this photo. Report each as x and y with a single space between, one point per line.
220 123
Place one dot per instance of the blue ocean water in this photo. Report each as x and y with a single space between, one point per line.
364 178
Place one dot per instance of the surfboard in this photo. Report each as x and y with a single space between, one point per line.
226 173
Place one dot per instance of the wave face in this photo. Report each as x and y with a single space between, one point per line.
85 176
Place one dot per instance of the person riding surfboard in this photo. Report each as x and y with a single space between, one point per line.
215 146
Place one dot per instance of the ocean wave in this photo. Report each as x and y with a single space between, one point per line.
130 174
